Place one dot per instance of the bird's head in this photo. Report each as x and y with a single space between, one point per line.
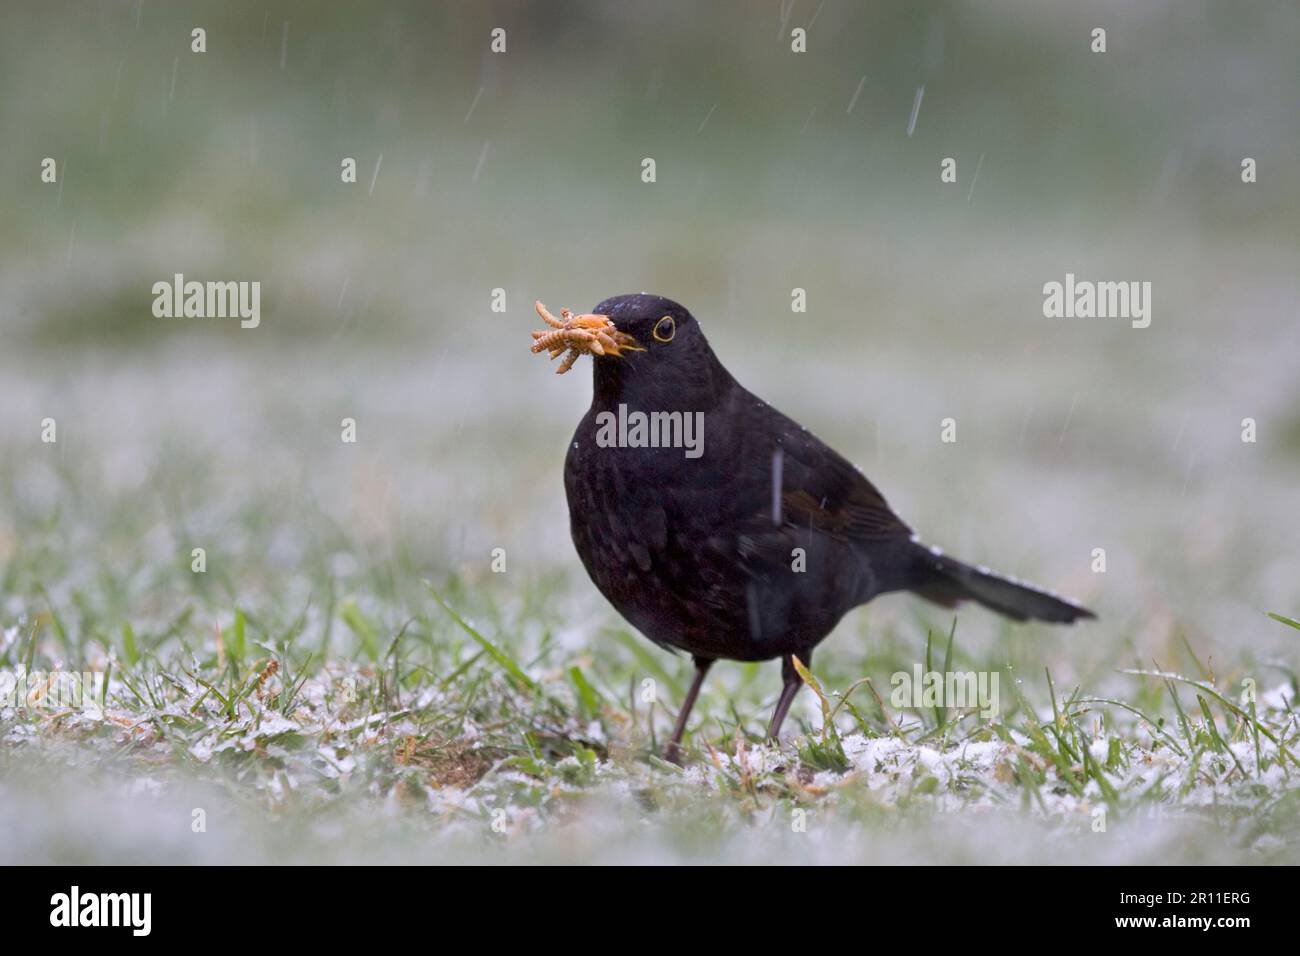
657 324
658 347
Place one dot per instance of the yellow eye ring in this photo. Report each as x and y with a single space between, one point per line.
665 329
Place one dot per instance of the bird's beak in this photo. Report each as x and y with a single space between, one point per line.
580 335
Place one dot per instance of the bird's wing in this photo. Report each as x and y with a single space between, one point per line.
823 490
790 504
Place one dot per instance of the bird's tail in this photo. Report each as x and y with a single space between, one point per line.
946 581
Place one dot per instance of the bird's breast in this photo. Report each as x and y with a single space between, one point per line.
653 530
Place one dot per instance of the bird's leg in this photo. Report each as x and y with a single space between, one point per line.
671 752
790 684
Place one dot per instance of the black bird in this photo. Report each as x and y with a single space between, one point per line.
757 547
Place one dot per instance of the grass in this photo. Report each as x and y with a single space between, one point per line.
470 725
348 680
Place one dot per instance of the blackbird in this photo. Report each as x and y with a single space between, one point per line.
751 542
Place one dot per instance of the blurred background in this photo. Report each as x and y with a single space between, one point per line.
521 171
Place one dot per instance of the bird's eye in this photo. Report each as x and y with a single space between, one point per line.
665 329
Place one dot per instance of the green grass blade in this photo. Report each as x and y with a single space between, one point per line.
504 660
